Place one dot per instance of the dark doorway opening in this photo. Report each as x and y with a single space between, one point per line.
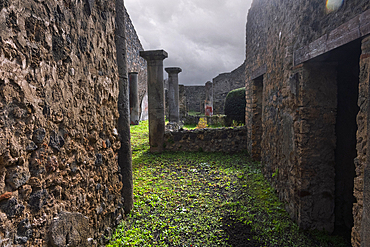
348 58
346 61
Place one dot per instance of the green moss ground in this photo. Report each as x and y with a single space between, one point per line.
203 199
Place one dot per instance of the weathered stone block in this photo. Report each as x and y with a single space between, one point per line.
18 176
69 229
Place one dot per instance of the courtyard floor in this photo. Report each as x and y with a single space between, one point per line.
203 199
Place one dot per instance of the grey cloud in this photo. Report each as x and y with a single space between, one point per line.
203 37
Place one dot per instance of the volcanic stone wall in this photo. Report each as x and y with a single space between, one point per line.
223 84
195 97
227 140
60 182
182 102
292 107
135 63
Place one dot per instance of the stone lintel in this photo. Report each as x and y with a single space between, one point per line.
344 34
134 73
258 72
353 29
173 70
365 23
154 55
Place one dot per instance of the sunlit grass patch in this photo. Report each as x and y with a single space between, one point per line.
205 199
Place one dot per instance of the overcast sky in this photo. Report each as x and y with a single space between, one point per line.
203 37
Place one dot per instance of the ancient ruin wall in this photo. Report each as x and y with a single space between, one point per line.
59 178
182 102
295 116
223 84
135 63
227 140
195 97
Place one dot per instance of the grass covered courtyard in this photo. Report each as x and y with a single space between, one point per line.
205 199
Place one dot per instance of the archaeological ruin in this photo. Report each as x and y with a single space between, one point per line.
307 84
223 84
65 155
173 94
68 68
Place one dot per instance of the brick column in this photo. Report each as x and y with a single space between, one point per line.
134 98
173 94
155 98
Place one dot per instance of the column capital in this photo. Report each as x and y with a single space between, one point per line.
173 70
154 55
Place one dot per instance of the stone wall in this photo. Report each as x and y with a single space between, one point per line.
60 182
223 84
195 97
296 82
135 63
182 102
215 120
226 140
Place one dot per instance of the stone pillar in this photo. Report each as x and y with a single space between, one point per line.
208 104
134 98
123 126
155 98
173 94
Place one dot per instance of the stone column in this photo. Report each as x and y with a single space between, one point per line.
173 94
208 104
134 98
124 153
155 98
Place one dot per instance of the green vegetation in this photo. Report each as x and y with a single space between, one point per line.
202 199
194 113
235 106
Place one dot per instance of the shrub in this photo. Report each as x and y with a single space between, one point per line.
235 106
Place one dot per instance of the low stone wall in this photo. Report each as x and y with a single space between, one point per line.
218 120
228 140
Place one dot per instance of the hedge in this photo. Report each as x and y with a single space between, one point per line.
235 106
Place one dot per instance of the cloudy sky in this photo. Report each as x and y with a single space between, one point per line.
203 37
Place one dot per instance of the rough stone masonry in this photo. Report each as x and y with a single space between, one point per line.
60 182
307 80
